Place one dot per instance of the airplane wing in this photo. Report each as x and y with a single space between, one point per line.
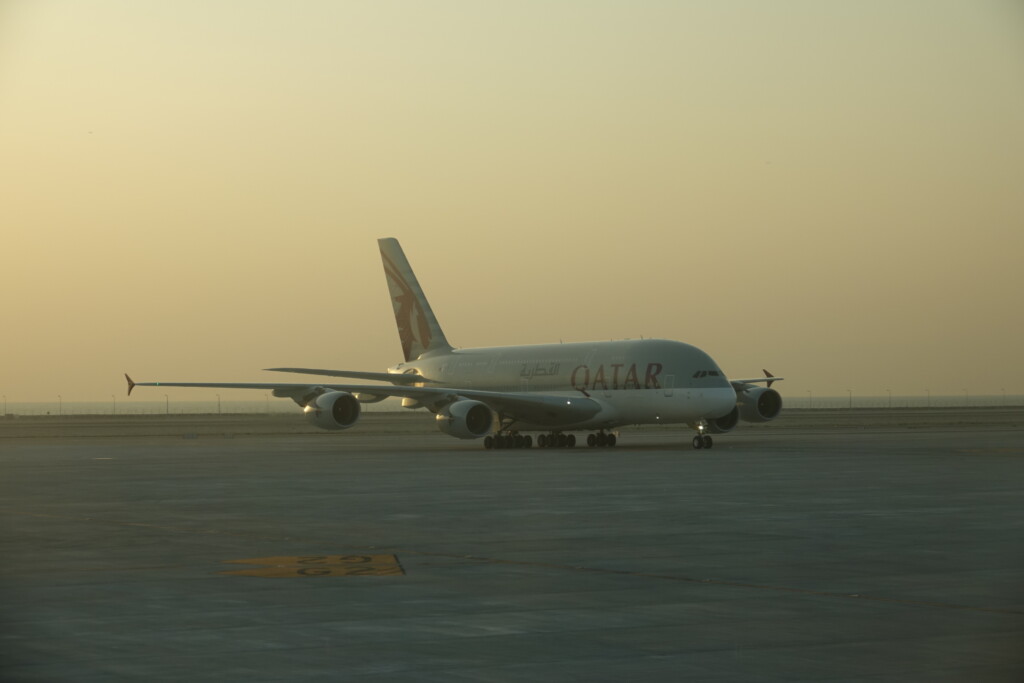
540 409
392 377
294 391
768 377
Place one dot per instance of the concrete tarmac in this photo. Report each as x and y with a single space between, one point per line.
827 546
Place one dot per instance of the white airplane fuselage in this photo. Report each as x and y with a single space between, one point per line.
647 381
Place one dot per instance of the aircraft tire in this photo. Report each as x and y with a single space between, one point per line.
698 442
488 442
708 443
570 441
611 440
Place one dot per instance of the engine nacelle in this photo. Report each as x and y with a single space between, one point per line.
721 425
759 404
465 419
333 410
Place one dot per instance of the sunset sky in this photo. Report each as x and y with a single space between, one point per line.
192 191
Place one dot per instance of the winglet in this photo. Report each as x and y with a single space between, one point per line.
131 384
766 374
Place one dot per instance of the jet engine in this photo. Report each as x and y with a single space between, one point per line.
721 425
465 419
756 404
759 404
333 410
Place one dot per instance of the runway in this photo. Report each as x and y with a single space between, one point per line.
837 546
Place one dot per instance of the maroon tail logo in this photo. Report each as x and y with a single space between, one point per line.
413 327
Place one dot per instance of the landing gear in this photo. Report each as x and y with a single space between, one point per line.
702 440
556 440
601 440
510 440
507 437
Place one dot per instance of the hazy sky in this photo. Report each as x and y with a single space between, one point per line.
193 190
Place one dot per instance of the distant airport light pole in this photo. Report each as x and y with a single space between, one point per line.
810 398
268 404
167 404
1003 390
890 397
928 393
5 405
114 411
967 398
850 392
60 405
218 404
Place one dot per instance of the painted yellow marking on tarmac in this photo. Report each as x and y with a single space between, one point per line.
292 566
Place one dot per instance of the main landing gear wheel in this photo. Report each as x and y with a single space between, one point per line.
600 440
703 441
556 441
499 441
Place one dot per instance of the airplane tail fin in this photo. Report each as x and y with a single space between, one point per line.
417 327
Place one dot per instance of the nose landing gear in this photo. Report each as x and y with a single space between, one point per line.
702 440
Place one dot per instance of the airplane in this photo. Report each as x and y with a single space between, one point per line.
501 394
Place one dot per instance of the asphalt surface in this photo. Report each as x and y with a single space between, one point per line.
832 546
